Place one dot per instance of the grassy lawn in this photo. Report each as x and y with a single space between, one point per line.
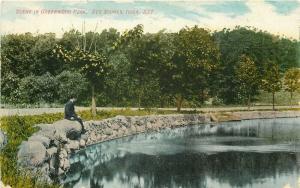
281 98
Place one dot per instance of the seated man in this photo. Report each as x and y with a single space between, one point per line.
70 112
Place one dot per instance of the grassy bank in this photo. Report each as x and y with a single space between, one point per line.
19 128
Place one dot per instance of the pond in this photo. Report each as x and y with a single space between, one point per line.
252 153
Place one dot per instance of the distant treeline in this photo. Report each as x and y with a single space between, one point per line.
134 68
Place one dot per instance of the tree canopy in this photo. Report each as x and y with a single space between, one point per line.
135 68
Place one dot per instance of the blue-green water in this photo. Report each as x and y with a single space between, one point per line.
252 153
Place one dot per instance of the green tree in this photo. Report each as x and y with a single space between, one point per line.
271 81
16 54
258 45
195 56
118 85
70 84
248 79
71 40
43 61
92 65
10 87
287 53
292 81
164 66
137 49
36 89
82 54
144 55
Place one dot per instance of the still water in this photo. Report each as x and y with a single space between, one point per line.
252 153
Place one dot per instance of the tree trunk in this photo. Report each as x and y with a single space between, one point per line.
202 96
273 100
179 100
291 98
139 100
162 102
249 102
93 101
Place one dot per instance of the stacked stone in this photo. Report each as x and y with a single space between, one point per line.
119 126
47 152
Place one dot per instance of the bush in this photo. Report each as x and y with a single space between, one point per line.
36 89
9 87
70 84
216 101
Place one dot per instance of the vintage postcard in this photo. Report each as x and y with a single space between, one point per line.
150 94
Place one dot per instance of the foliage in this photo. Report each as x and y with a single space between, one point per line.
195 57
292 81
35 89
129 36
43 62
9 87
248 78
118 84
91 63
134 68
258 45
16 53
272 80
70 84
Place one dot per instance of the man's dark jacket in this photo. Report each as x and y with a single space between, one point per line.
69 110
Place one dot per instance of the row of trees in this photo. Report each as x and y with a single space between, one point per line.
143 69
45 88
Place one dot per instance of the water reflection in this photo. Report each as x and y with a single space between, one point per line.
256 153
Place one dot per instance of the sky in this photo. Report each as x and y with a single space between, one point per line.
280 17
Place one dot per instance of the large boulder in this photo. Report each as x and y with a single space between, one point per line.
40 138
73 144
47 130
32 154
71 129
51 151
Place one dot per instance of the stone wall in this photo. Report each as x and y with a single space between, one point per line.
43 153
47 151
245 115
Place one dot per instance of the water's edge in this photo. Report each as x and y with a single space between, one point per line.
53 158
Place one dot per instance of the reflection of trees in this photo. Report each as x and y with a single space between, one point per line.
162 171
104 162
190 170
239 169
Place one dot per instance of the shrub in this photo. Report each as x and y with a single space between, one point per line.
70 84
34 89
9 87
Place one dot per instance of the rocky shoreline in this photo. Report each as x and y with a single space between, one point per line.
47 151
